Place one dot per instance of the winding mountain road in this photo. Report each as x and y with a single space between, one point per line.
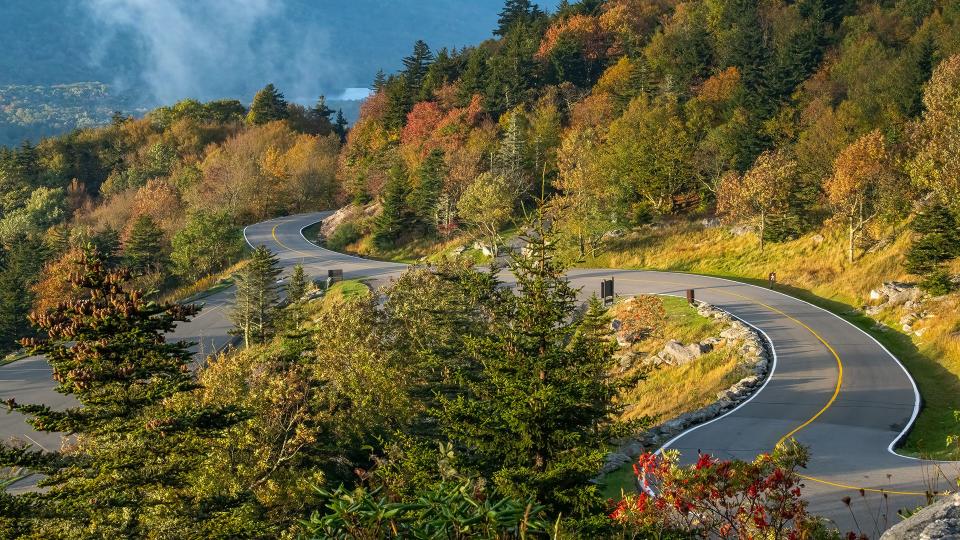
833 387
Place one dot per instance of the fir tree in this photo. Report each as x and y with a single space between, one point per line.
297 286
510 160
415 67
143 252
268 105
395 216
125 474
537 419
379 81
425 197
257 297
107 244
340 126
514 13
18 271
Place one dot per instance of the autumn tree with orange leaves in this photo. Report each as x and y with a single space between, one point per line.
760 193
863 180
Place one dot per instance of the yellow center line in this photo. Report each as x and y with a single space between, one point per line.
830 402
273 233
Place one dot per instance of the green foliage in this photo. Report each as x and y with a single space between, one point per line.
938 240
536 418
297 286
449 510
125 475
344 235
255 309
207 243
395 216
143 251
268 105
424 198
19 269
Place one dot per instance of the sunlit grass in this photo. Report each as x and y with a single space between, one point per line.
818 272
670 391
204 287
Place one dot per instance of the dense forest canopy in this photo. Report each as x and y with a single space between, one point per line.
462 393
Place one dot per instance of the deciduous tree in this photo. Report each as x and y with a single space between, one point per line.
863 180
758 194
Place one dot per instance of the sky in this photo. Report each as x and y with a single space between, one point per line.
167 50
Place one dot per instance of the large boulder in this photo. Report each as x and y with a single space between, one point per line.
683 354
895 293
939 521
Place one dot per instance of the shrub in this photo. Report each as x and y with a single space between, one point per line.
939 241
719 499
449 510
938 282
344 235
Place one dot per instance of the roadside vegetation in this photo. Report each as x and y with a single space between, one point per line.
817 139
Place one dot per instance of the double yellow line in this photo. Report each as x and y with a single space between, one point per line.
830 402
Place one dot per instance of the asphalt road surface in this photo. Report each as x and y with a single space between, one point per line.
833 388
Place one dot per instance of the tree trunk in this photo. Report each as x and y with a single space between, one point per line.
763 224
850 241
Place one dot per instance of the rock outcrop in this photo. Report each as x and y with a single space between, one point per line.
939 521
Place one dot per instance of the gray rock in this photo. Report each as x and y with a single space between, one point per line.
817 239
939 521
682 354
709 223
740 230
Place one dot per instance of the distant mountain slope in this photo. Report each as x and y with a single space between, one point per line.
158 52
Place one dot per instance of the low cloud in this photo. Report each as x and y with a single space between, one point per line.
208 49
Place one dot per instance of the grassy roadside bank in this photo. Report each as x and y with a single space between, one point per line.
813 268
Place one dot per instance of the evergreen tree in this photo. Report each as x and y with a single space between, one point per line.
395 216
340 126
268 105
537 419
125 476
511 72
415 67
425 197
257 297
297 286
514 13
107 244
143 252
510 161
473 81
18 271
938 240
379 81
399 102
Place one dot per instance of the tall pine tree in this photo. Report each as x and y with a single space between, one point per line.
425 197
144 252
394 219
125 474
257 297
536 421
268 105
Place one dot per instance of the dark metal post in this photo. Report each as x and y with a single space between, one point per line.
691 297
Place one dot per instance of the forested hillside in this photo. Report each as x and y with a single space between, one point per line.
787 114
166 194
448 405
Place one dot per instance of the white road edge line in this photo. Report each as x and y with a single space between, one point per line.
916 391
773 369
